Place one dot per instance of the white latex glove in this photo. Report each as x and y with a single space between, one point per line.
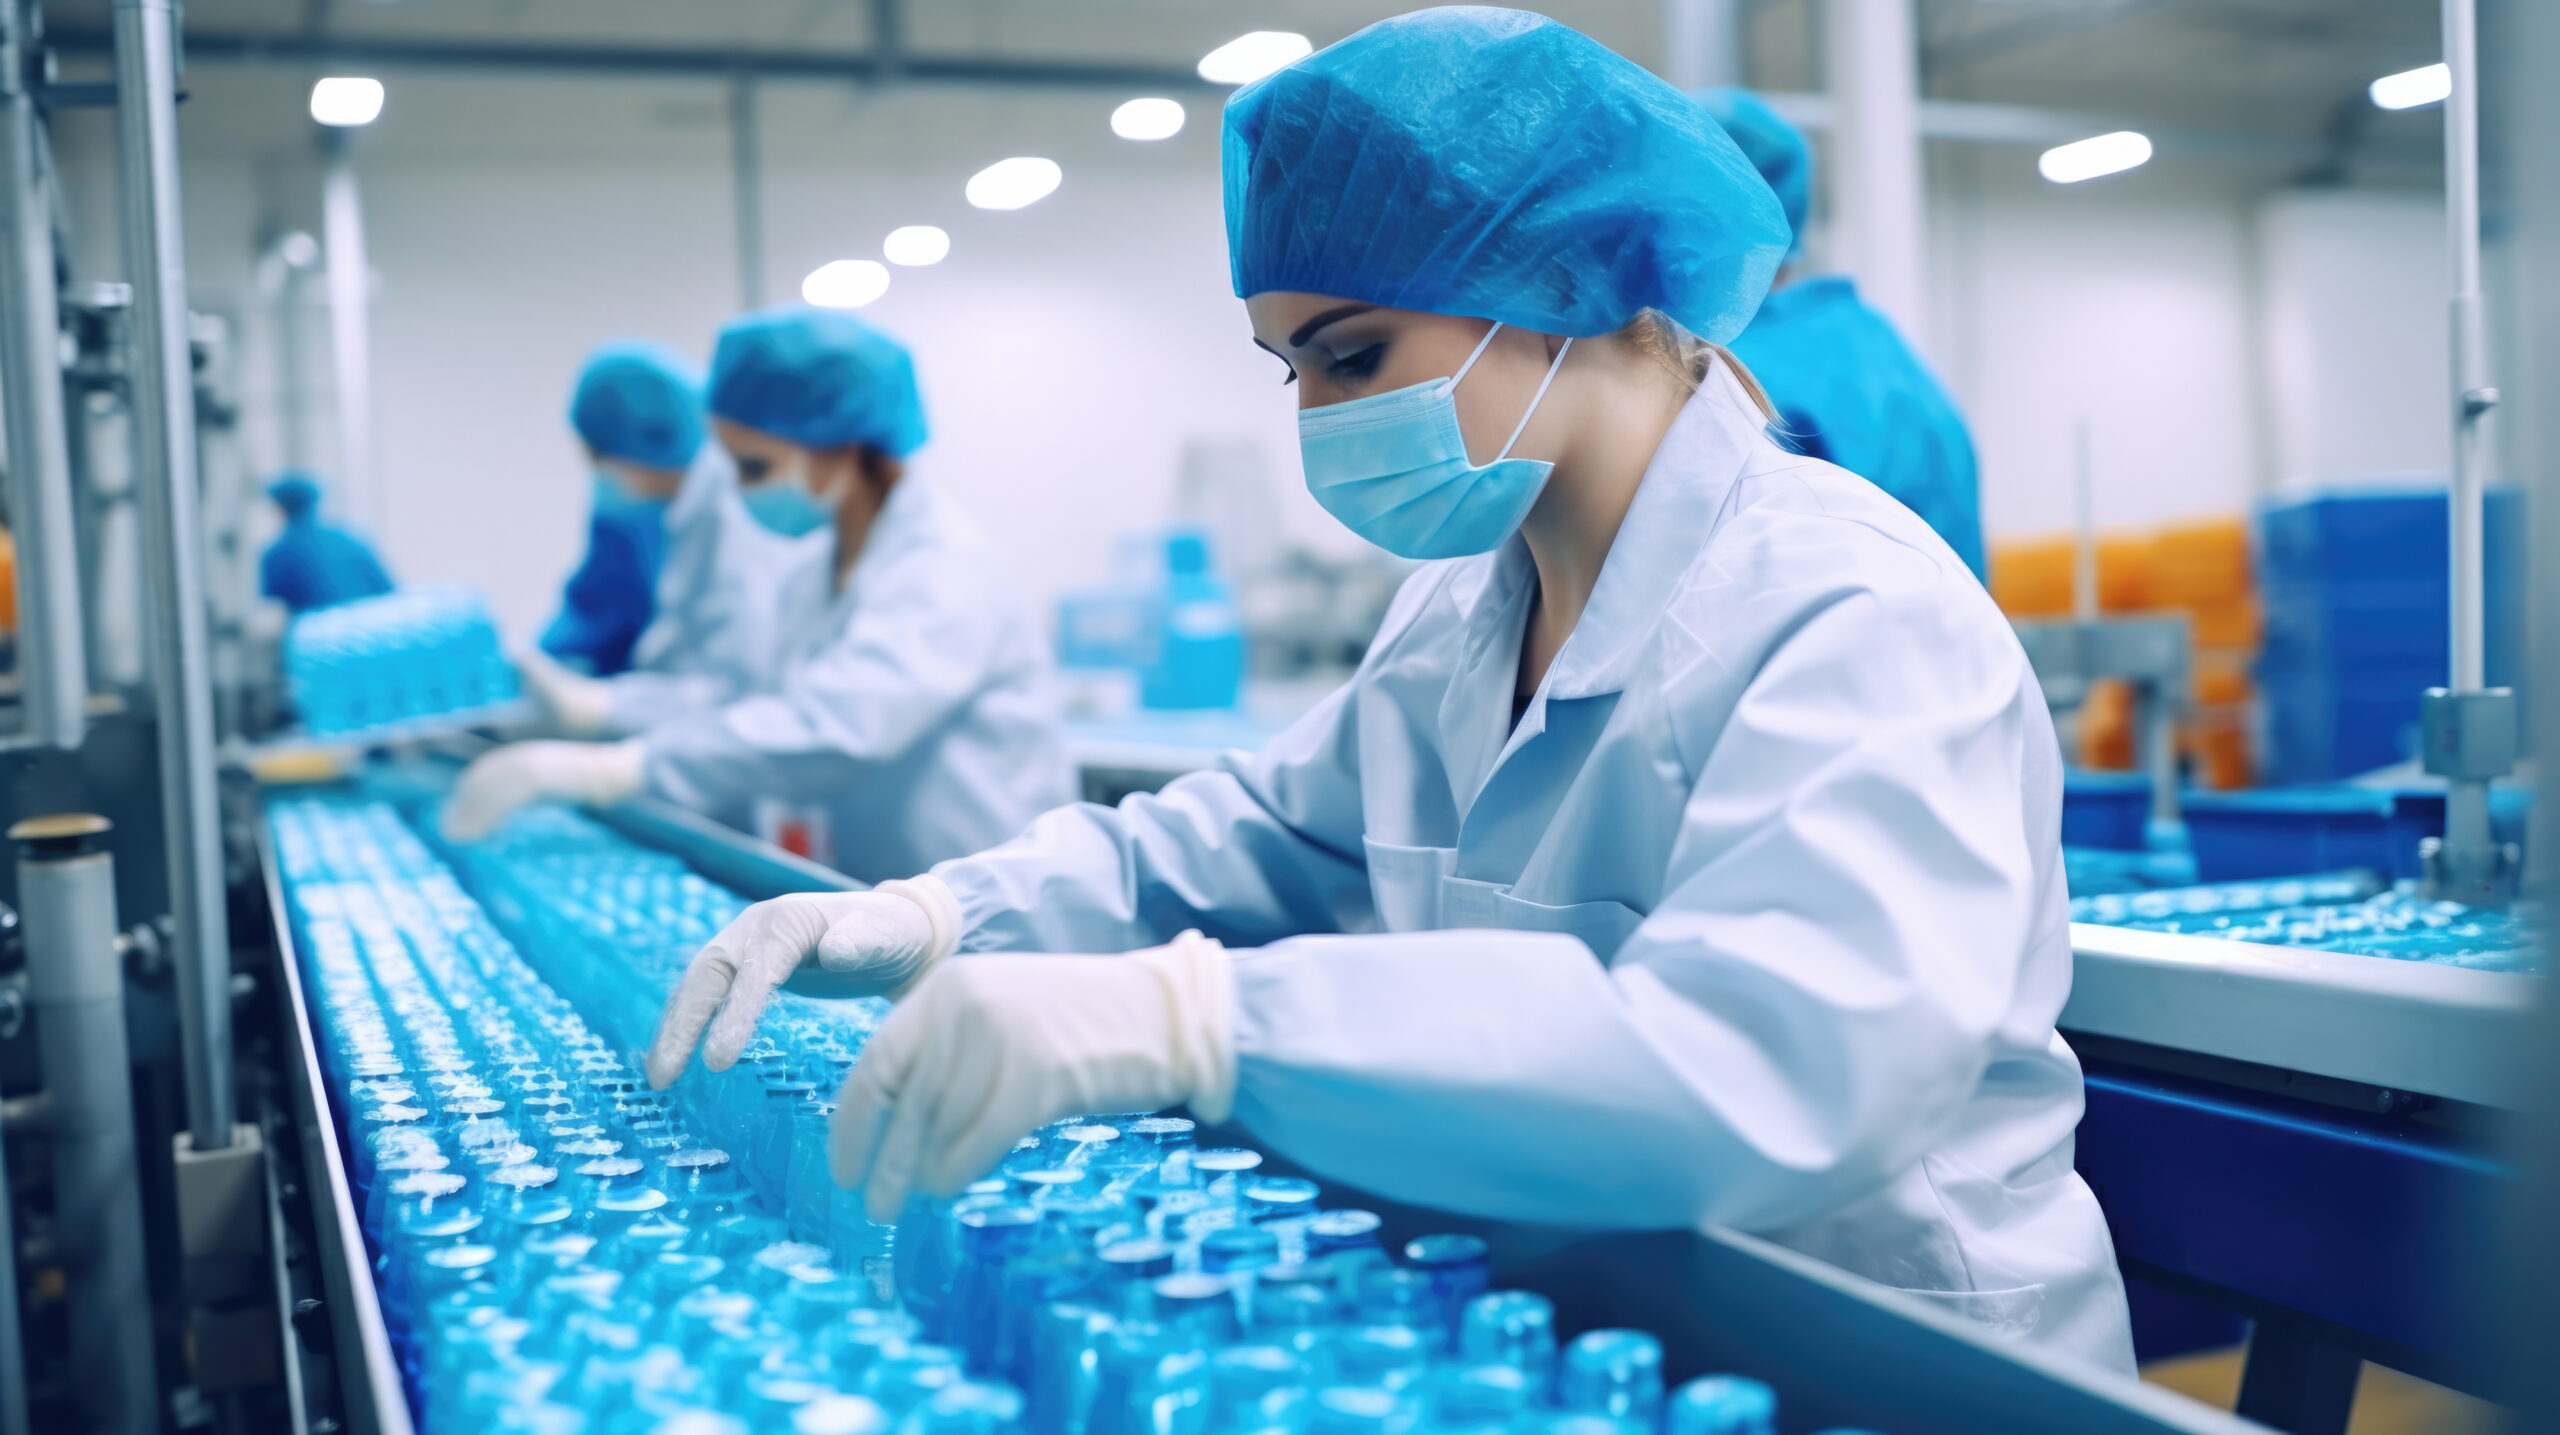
500 781
579 705
988 1048
829 944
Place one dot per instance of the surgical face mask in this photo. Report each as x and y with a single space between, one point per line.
614 499
1393 467
784 504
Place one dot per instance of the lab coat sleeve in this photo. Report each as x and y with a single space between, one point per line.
708 604
909 658
1798 1020
1261 847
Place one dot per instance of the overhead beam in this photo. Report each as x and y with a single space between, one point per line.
1979 123
282 47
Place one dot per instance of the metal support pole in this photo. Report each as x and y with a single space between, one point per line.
52 652
1871 66
350 275
67 900
13 1356
173 554
2469 728
1702 43
746 180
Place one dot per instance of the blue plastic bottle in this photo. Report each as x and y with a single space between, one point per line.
1199 658
1458 1267
1722 1405
1617 1373
1513 1328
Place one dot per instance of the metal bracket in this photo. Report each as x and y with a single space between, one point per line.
77 95
2151 653
2468 737
2488 877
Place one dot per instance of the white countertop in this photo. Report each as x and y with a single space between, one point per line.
2409 1026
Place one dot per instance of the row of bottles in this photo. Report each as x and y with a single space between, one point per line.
561 1250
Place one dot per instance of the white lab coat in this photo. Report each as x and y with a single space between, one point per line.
712 637
910 718
1791 782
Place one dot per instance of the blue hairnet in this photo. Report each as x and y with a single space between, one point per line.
641 403
820 378
1774 147
1496 164
296 493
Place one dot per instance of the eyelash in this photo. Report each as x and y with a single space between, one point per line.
1358 364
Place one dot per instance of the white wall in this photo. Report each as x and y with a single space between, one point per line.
1068 351
2356 334
2124 303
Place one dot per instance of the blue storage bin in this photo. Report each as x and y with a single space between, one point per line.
2105 809
2420 811
2354 587
2289 831
2285 832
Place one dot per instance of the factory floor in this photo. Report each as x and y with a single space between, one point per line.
2387 1402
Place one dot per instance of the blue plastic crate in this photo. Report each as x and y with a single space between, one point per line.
2105 809
2400 621
2284 832
2354 587
2321 727
2397 534
2288 831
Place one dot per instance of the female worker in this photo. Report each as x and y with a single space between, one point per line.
1685 849
672 608
909 714
638 410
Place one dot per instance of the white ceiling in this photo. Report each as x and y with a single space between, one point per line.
2252 67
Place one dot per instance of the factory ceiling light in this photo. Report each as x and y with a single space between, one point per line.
2092 157
1248 58
916 245
845 283
346 100
2425 85
1147 119
1013 183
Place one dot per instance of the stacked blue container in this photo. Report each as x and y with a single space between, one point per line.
2355 587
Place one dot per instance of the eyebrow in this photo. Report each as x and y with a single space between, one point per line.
1308 329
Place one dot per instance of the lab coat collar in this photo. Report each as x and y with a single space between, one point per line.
902 521
711 474
1675 507
1683 494
1476 730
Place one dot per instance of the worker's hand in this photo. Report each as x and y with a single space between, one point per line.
500 781
578 705
832 944
986 1049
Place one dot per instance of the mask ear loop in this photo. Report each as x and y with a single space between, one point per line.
1533 400
1451 387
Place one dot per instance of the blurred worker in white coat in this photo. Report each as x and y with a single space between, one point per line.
1685 849
908 711
672 609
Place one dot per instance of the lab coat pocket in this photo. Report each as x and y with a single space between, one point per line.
1405 883
2012 1313
1603 926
